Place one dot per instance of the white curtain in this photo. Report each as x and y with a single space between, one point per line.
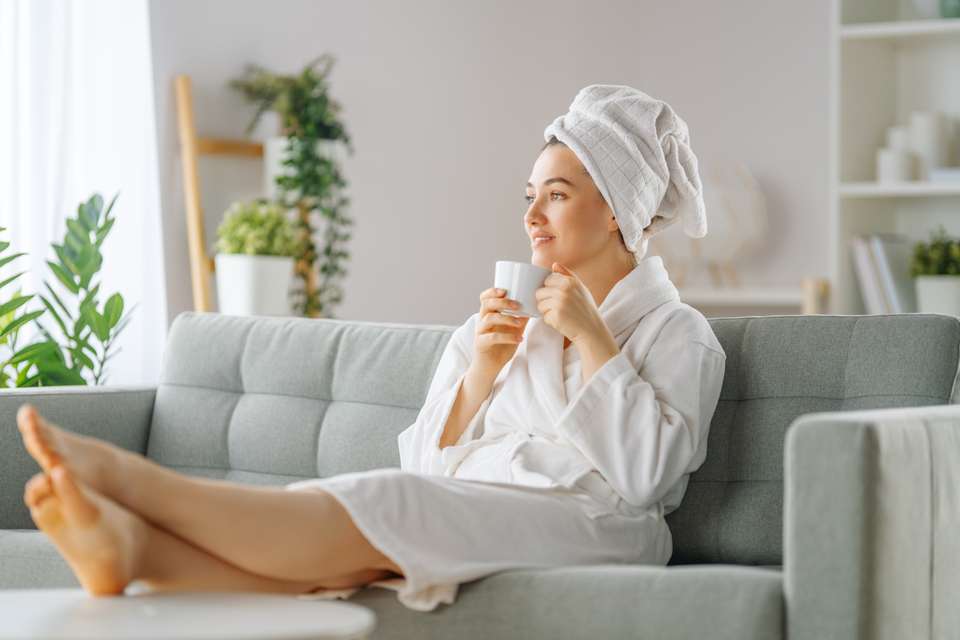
77 117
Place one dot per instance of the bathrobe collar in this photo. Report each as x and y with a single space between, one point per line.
646 287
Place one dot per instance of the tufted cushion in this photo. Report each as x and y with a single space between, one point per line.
778 368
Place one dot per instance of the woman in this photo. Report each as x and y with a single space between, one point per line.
560 440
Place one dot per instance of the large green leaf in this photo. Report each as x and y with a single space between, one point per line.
56 316
15 303
96 322
78 231
30 352
63 277
113 309
103 231
14 256
11 279
56 298
65 259
16 324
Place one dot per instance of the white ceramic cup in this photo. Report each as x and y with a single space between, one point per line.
521 281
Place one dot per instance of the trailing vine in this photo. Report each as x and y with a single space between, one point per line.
314 186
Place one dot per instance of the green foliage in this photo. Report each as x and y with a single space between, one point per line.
78 316
16 368
257 228
941 256
308 116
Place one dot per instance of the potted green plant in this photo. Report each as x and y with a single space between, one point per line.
936 268
255 250
302 170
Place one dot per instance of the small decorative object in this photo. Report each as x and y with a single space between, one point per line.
302 171
894 165
256 245
738 226
936 268
950 8
928 139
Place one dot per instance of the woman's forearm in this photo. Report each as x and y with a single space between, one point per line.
476 386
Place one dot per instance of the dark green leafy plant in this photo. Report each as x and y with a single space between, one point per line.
77 265
15 369
941 256
308 115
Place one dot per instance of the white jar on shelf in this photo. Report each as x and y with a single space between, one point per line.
894 165
928 137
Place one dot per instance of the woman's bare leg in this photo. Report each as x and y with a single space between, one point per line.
268 531
108 547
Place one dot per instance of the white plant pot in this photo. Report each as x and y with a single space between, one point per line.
254 285
273 152
938 294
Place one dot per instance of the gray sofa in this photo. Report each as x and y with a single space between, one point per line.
820 512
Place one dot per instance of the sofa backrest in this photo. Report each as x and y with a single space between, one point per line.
778 368
271 400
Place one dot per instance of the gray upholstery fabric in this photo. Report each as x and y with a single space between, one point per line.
779 368
874 552
720 602
28 561
272 400
118 414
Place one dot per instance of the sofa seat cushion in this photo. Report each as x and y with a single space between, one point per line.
687 601
606 601
28 560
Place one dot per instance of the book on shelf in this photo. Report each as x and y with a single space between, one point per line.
882 265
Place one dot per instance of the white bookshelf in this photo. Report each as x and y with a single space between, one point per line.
754 296
885 62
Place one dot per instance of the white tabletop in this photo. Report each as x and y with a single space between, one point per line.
72 613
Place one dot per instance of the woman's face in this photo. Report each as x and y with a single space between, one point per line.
564 202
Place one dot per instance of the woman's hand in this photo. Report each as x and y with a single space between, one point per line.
567 306
497 335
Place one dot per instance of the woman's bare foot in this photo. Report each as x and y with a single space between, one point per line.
101 541
87 458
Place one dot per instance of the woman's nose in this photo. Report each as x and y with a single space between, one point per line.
534 213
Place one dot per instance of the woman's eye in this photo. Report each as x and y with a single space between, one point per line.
555 193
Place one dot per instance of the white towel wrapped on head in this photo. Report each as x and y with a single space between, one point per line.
637 150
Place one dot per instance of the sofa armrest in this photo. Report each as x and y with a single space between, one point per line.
118 414
872 524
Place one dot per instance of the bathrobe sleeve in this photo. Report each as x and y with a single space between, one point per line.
419 443
643 431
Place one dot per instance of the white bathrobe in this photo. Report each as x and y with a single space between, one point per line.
539 478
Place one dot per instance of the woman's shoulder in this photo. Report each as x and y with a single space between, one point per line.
676 320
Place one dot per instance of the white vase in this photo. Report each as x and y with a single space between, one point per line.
938 294
928 140
273 152
254 285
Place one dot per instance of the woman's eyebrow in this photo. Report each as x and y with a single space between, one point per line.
551 180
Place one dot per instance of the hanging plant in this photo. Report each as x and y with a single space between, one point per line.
314 186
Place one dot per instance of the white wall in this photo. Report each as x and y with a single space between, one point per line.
447 101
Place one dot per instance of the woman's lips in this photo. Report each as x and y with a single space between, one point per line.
537 242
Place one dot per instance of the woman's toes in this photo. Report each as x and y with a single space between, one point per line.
100 540
38 488
78 509
36 437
